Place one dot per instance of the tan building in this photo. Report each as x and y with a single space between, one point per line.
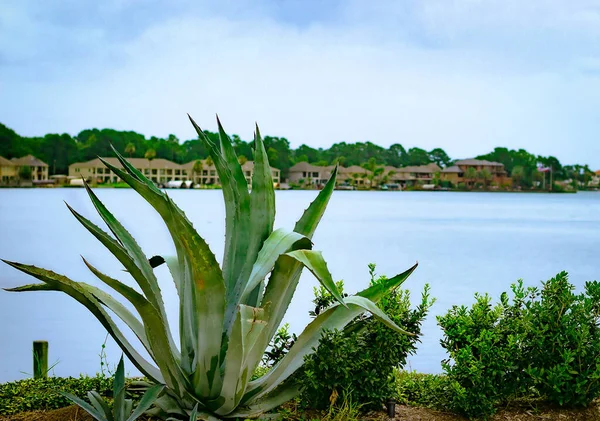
8 172
353 175
159 170
413 175
10 169
457 173
208 173
305 173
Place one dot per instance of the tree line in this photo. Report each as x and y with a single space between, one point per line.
61 150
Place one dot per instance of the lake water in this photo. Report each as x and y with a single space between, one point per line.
464 242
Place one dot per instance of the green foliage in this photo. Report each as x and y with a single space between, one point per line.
25 173
45 394
418 389
483 369
121 408
562 341
280 345
545 342
228 315
359 361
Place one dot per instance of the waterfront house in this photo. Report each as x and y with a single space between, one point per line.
353 175
412 175
305 173
160 171
10 169
456 173
208 173
8 172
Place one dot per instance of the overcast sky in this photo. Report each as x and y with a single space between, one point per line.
464 75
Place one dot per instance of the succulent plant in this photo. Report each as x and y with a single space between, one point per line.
121 408
228 314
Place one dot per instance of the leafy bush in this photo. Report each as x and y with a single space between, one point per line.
419 389
543 343
360 359
44 394
481 369
562 342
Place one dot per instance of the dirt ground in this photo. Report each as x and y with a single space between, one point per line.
403 413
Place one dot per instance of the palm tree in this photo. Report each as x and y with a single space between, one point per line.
209 162
150 155
197 169
242 159
517 174
355 177
130 149
373 169
486 176
471 176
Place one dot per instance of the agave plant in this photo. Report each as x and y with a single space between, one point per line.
122 408
228 314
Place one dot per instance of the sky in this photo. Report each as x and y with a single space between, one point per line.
464 75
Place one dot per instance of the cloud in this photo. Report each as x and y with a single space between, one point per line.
463 75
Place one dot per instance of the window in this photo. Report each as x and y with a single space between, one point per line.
146 171
77 169
248 173
170 172
177 172
303 173
162 171
212 172
315 174
154 171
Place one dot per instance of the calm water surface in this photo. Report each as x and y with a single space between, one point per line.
464 243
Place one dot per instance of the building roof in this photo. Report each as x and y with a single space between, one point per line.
478 162
452 169
429 168
598 172
5 162
352 169
29 160
304 166
136 162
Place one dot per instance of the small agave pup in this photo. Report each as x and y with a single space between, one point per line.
228 315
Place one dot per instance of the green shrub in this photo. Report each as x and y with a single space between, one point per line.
562 342
419 389
542 343
359 361
44 394
482 348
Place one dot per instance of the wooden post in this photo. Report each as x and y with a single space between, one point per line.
40 359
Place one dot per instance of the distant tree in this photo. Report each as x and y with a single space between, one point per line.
197 169
471 176
209 162
242 159
25 173
517 174
486 176
440 157
150 154
417 156
373 170
130 149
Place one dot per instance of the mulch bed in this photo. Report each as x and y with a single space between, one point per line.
403 413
